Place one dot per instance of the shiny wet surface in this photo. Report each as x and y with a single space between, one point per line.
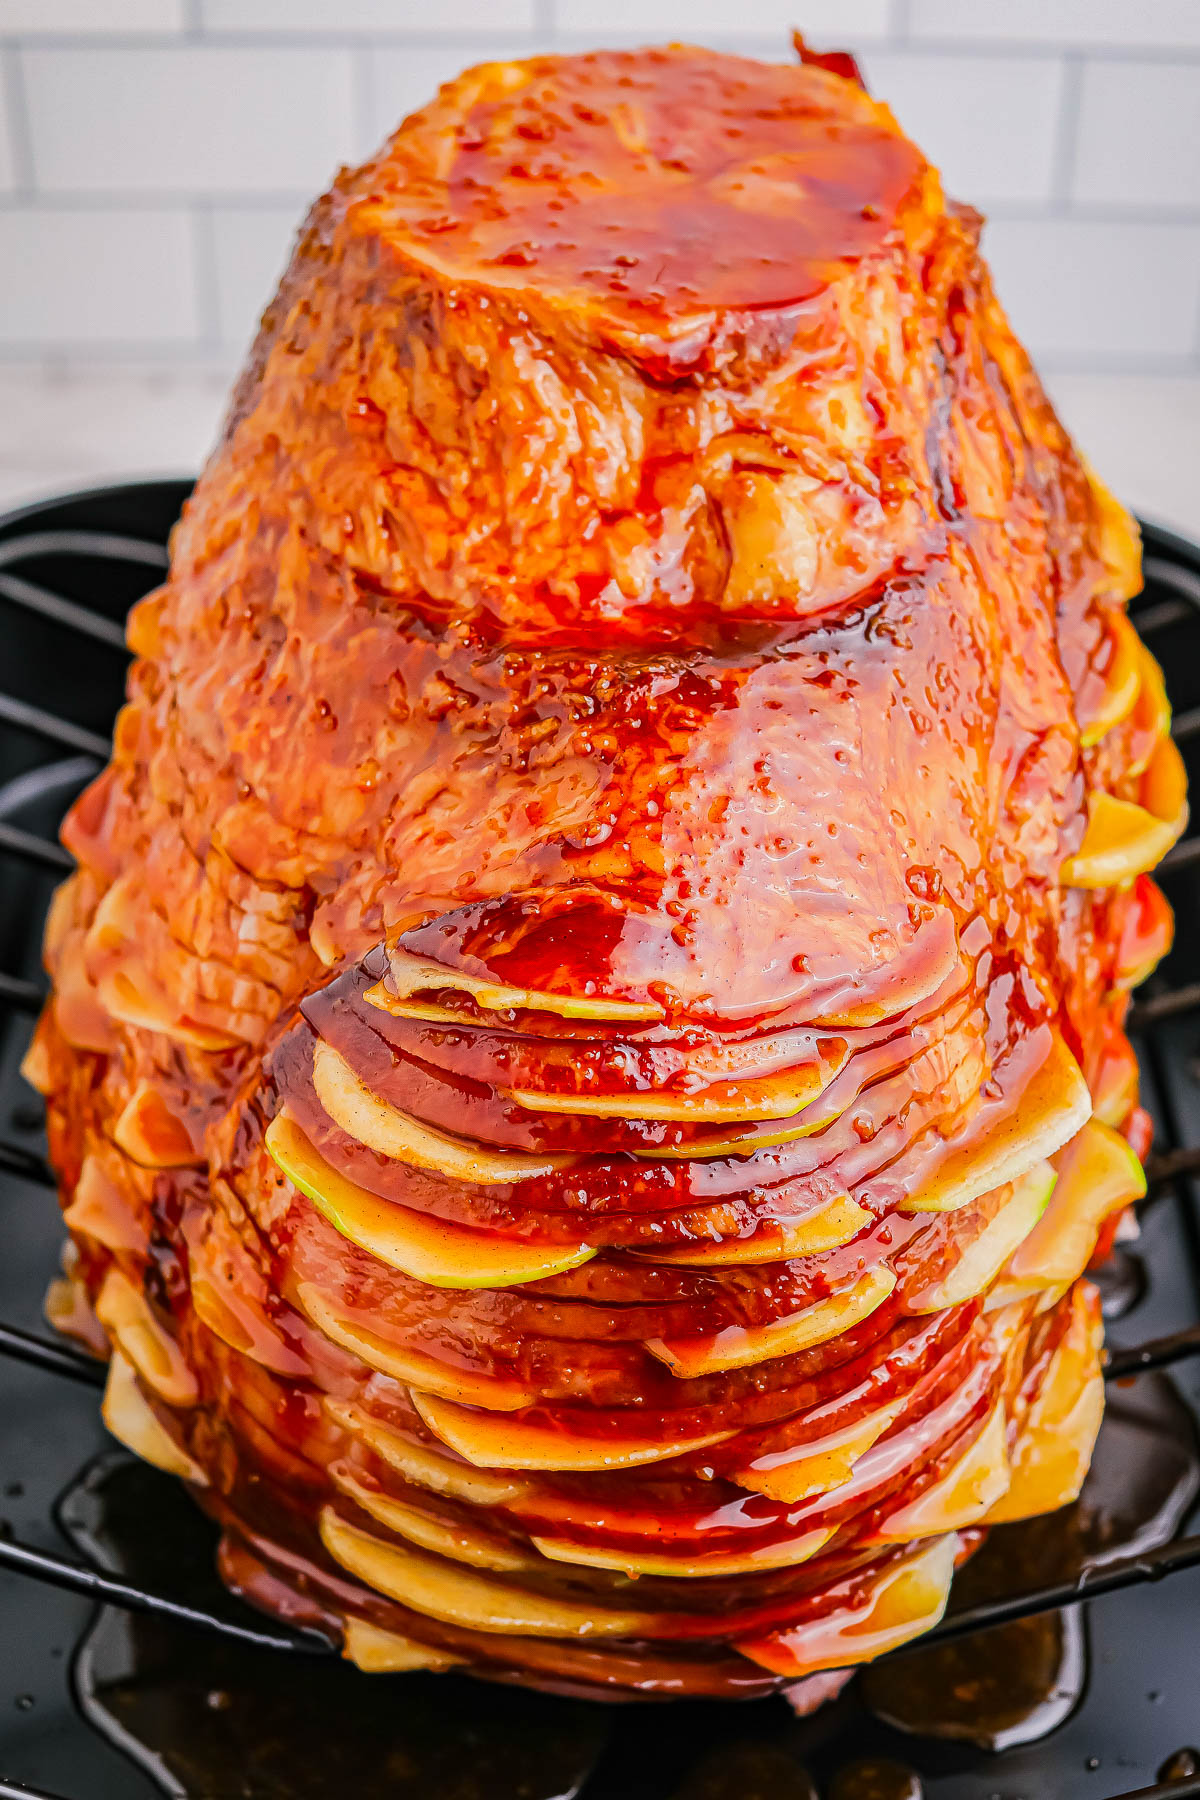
205 1717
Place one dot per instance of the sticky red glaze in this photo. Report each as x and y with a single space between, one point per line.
639 565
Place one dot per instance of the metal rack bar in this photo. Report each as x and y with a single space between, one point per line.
56 1358
1181 857
92 1584
1156 1353
48 725
1169 1167
35 849
25 996
25 1165
104 544
1123 1572
52 606
1146 1013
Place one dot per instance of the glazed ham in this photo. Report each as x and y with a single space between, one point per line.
586 1060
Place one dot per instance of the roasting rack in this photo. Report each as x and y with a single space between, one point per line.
68 571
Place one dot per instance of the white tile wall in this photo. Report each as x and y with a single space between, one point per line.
1139 135
189 119
1083 291
399 81
298 17
696 20
93 278
93 17
173 145
8 159
250 252
989 123
1170 24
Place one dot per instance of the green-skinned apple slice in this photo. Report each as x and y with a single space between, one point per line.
432 1250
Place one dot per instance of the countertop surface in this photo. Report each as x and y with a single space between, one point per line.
83 427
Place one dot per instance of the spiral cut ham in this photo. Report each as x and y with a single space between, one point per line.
586 1057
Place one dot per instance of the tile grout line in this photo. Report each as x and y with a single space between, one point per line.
899 34
204 274
19 135
1066 137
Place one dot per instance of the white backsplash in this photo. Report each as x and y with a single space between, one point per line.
157 155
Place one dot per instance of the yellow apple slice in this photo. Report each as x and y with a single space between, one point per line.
410 1366
736 1102
151 1134
740 1346
964 1494
1124 838
423 1467
435 1251
1054 1450
1097 1173
745 1143
1121 686
820 1465
982 1260
729 1562
459 1596
1152 710
395 1134
100 1210
1165 785
417 974
128 1317
907 1599
780 1240
379 1652
1116 1091
501 1443
134 1423
1050 1109
461 1543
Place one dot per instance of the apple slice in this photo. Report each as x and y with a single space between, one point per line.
128 1317
100 1210
779 1240
379 1652
962 1496
1054 1449
983 1259
787 1555
1122 682
435 1251
409 974
816 1467
496 1443
736 1102
815 1118
461 1597
461 1543
1049 1110
906 1599
410 1366
395 1134
740 1346
423 1467
1115 1088
1125 838
1097 1173
152 1135
134 1423
1151 711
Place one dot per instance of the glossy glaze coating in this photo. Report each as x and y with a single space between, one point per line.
614 902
